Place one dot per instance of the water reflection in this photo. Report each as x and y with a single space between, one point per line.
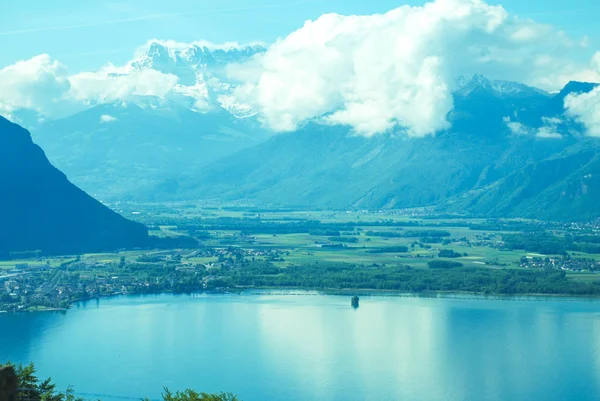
19 333
317 347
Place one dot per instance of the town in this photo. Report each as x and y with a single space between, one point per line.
235 253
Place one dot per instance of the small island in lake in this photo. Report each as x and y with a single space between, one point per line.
354 302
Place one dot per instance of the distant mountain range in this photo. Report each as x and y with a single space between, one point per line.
40 210
118 148
511 149
201 71
542 167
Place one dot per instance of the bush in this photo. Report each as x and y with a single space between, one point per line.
390 249
448 253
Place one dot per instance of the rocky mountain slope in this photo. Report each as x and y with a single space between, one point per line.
510 152
41 210
121 147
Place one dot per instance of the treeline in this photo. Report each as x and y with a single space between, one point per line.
257 226
507 225
448 278
176 242
31 388
352 240
287 225
389 249
409 234
449 253
592 239
443 264
550 244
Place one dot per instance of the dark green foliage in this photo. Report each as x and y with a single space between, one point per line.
250 226
181 241
426 233
352 240
592 239
191 395
390 249
541 242
586 248
7 299
31 388
201 235
504 225
449 253
384 234
339 276
550 244
331 233
443 264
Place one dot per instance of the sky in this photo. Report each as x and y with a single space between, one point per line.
371 65
86 34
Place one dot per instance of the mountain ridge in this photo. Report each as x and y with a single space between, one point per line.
163 150
40 210
326 167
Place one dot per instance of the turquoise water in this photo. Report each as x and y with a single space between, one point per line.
316 347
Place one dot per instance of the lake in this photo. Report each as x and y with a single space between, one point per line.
316 347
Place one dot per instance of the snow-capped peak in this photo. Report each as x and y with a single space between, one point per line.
194 56
200 69
465 84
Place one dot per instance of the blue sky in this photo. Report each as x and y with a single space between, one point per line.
85 34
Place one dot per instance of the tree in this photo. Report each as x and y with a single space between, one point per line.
443 264
31 388
191 395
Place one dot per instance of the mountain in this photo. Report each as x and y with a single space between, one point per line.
564 186
121 147
201 71
480 166
41 210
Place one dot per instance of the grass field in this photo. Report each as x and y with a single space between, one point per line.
478 247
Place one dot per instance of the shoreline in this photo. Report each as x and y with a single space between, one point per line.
424 294
285 291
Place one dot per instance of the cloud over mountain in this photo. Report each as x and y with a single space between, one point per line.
398 69
586 106
112 83
373 73
38 84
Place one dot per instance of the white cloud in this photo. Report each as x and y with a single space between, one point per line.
37 84
113 83
550 128
374 73
398 69
105 118
180 46
596 61
43 85
585 107
517 128
547 133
